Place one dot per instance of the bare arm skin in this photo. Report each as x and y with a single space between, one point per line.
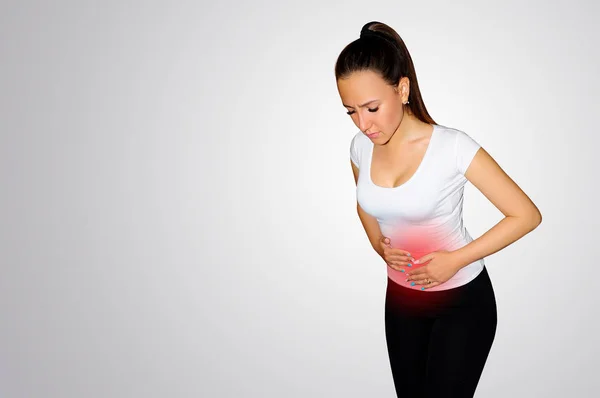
521 215
369 222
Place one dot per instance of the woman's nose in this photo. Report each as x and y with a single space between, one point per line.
363 122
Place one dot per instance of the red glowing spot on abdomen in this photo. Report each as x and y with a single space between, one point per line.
417 241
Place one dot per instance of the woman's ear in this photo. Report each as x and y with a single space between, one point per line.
403 89
404 85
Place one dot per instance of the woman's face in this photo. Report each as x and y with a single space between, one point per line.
374 106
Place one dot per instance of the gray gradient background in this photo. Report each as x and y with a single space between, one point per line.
178 209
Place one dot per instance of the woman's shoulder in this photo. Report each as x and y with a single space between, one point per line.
448 133
359 142
358 145
452 134
460 144
360 139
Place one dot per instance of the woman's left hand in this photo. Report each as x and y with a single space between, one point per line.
442 266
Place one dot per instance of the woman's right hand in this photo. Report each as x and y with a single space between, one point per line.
398 259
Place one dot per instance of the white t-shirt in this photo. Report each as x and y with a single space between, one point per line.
424 214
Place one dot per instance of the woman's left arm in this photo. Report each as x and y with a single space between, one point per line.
521 214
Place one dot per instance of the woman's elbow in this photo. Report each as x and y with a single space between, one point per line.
535 219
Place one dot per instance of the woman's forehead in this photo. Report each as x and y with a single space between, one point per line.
361 87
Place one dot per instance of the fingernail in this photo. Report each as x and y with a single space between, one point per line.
422 288
409 264
412 284
401 270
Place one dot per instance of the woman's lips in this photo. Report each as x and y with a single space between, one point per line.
373 135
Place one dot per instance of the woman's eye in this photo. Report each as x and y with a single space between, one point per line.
370 110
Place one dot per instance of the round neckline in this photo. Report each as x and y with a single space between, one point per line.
412 177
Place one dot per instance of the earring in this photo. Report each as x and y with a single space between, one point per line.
407 102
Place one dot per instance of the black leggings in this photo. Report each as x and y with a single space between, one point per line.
438 342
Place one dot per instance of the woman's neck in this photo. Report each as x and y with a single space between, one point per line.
411 129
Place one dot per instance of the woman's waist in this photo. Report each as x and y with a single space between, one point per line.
420 241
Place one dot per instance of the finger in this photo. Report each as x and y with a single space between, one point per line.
396 267
396 253
391 249
418 272
400 252
429 286
401 260
400 266
399 256
424 259
423 279
427 282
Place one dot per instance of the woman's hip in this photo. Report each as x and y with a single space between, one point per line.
476 295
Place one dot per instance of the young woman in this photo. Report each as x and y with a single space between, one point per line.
440 308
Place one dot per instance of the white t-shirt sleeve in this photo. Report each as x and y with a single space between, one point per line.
465 150
354 152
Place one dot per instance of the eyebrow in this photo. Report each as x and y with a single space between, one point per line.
360 106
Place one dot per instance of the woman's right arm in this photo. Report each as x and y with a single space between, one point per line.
369 222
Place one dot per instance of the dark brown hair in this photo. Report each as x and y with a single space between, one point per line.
380 49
